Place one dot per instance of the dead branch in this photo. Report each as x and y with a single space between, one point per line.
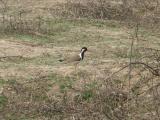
155 72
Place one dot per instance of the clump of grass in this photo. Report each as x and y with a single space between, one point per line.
87 95
89 91
3 101
2 82
65 84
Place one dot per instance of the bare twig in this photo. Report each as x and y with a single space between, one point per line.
155 72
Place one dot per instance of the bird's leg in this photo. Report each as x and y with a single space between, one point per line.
75 67
76 70
65 74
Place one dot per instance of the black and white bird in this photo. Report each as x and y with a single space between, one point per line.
76 57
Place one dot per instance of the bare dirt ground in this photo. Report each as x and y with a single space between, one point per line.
12 49
17 49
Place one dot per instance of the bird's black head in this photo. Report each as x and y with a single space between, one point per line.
84 49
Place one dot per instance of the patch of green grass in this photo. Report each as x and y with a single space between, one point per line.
88 92
12 81
3 101
87 95
65 83
2 82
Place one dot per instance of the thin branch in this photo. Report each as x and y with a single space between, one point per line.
155 72
117 72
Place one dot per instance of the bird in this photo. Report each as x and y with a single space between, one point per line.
75 58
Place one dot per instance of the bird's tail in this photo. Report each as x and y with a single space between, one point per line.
60 60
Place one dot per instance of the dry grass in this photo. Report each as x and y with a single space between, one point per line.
43 88
34 85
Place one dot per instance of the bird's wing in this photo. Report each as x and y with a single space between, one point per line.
74 58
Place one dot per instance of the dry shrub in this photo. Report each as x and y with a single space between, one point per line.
99 9
21 19
145 11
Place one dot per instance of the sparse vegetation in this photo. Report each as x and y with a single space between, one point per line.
118 79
